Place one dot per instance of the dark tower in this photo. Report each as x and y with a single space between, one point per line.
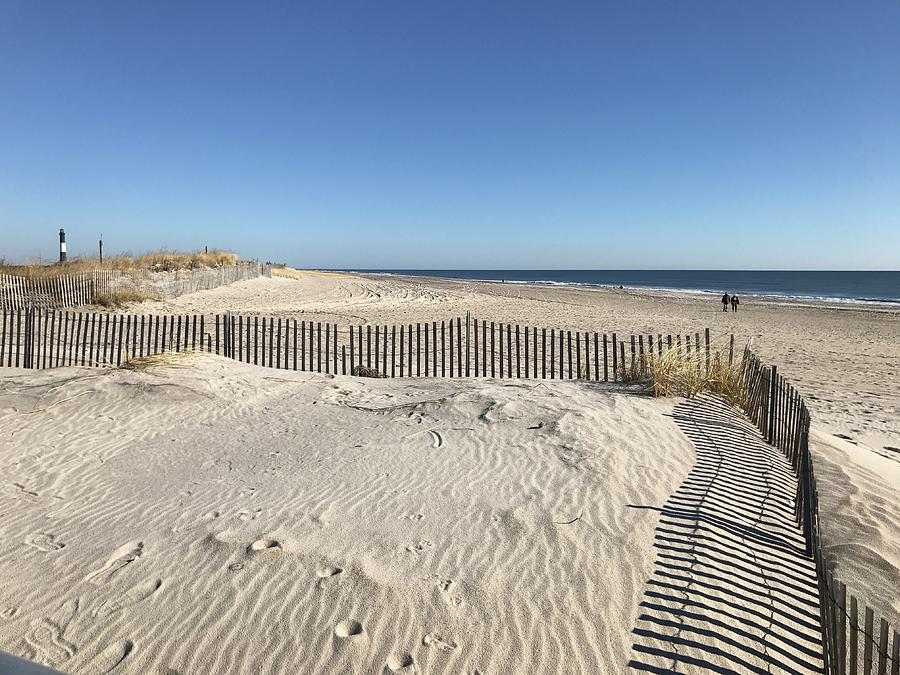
62 245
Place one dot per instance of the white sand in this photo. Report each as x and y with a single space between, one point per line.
216 517
845 360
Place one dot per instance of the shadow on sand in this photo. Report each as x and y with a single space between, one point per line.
731 590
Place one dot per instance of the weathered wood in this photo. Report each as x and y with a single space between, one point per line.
622 357
544 353
369 346
527 359
883 647
295 344
706 333
327 345
352 352
377 345
484 349
579 374
426 350
854 635
401 348
459 360
475 345
868 642
451 346
434 339
409 346
615 358
493 363
552 352
319 346
606 361
561 333
394 349
443 350
508 350
419 349
468 351
501 350
334 351
568 352
343 359
518 355
895 654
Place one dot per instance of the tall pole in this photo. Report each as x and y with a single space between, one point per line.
62 245
101 249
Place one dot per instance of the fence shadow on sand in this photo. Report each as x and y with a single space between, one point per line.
732 590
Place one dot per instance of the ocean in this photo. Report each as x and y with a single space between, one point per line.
846 287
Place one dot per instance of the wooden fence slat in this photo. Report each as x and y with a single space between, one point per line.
443 353
883 648
867 640
426 350
434 348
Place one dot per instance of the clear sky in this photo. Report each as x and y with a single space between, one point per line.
750 135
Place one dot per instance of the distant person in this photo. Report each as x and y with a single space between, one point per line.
735 301
725 300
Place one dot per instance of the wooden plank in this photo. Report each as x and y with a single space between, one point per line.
295 345
527 359
895 655
615 359
868 640
271 339
883 647
508 350
401 348
622 355
426 348
434 358
327 345
451 347
394 350
319 347
544 353
518 355
377 345
303 345
343 359
468 352
443 353
419 349
459 359
854 635
369 346
606 361
561 332
334 351
501 350
352 352
535 351
409 347
475 343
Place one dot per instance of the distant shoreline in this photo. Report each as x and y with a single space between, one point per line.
775 297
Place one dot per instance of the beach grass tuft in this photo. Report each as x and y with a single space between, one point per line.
681 371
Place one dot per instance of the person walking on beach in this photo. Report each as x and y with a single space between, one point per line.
734 303
725 300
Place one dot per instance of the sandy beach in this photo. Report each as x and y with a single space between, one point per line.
201 515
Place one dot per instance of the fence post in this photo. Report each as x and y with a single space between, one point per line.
770 404
806 485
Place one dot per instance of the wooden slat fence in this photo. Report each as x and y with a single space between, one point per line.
466 347
851 643
85 288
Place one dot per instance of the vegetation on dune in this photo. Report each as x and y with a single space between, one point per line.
121 297
162 261
682 371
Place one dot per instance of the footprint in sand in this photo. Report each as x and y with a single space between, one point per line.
111 657
44 542
263 545
436 439
47 642
399 663
438 643
132 596
419 547
121 558
327 571
417 516
348 629
9 613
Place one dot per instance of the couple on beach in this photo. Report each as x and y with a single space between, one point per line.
733 300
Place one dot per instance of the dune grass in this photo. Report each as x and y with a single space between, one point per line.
121 297
681 371
161 261
287 273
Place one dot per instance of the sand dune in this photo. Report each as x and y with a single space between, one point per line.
845 360
215 517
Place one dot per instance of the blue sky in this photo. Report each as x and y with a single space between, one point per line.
453 135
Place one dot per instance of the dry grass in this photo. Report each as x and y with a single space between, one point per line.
287 273
162 261
115 299
683 372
